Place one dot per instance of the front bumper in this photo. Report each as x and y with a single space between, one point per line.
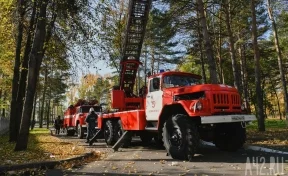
227 118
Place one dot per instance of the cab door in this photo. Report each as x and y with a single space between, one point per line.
154 100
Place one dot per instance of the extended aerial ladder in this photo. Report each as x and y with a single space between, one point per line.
137 20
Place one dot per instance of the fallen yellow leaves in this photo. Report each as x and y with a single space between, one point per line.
77 163
274 138
42 147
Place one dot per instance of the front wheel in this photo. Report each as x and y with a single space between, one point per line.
180 137
80 131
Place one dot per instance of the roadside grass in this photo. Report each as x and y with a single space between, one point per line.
269 124
41 147
275 136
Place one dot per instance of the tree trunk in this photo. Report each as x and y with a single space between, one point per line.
35 61
259 98
43 97
277 98
24 70
3 107
48 114
243 67
280 60
221 73
200 39
13 132
208 43
34 106
231 46
39 108
152 61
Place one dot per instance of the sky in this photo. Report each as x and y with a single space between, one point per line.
104 68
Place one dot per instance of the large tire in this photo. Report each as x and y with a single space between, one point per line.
65 131
70 132
110 133
119 130
80 131
229 136
180 137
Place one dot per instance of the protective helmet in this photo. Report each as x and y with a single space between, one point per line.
91 109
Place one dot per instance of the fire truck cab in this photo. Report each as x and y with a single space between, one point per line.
75 115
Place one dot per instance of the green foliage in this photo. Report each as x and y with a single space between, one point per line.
269 124
7 45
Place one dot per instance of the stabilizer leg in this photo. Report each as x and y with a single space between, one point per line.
125 136
95 137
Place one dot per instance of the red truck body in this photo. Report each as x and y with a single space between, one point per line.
75 115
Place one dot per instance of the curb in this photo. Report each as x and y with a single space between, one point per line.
42 165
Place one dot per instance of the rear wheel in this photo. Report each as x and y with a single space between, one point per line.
80 131
70 132
229 136
110 133
180 137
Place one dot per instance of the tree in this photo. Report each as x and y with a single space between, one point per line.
227 12
35 61
208 43
279 55
18 108
20 18
259 105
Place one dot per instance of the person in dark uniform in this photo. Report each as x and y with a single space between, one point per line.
33 124
91 123
57 125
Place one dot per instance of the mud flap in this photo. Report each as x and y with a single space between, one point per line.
126 135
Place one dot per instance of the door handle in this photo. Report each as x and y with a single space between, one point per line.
147 96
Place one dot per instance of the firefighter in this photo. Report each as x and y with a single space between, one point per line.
57 125
91 123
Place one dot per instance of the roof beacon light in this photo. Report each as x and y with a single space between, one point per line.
162 70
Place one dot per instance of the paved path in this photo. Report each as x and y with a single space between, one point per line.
139 160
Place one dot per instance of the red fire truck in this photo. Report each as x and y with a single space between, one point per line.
175 109
75 115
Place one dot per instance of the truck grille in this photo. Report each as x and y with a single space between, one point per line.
220 99
226 101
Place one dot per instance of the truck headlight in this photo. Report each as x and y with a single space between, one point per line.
176 98
243 107
199 105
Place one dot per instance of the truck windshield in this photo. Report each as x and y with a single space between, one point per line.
85 109
179 81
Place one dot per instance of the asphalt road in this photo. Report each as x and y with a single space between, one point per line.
139 160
